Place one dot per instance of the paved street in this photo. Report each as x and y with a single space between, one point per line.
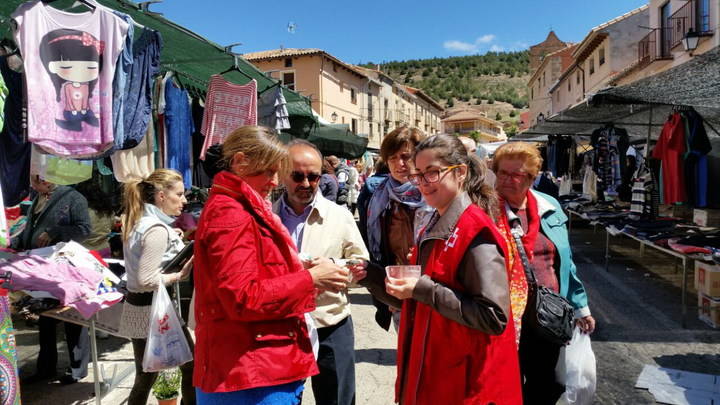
637 309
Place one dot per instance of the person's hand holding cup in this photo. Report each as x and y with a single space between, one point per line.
401 280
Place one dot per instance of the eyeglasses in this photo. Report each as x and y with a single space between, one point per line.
299 177
431 176
405 157
516 177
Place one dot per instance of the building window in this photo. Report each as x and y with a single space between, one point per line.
569 85
532 94
288 80
591 65
601 57
703 16
577 78
353 96
353 126
288 62
544 79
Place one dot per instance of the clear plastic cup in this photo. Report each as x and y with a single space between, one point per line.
403 272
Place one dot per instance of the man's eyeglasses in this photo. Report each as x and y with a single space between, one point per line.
431 176
299 177
516 177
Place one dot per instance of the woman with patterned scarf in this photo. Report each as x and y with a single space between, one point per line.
541 222
388 205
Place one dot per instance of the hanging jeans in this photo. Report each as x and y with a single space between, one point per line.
178 136
14 150
138 86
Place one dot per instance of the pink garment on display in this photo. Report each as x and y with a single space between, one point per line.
73 286
70 60
228 107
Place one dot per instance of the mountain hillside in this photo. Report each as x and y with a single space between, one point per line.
494 83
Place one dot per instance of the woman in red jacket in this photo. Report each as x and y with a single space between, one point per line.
251 290
456 343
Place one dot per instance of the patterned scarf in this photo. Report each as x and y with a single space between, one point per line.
390 189
518 280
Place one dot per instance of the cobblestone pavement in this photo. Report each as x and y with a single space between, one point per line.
636 304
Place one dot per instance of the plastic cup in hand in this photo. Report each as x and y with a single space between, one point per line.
402 272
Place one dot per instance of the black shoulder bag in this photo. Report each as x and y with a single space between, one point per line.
547 313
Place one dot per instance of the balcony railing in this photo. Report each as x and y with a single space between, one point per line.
655 46
691 15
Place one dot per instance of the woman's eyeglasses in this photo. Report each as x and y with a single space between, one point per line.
430 176
299 177
516 177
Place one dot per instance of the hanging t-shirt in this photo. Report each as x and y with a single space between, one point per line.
69 59
228 107
670 149
136 163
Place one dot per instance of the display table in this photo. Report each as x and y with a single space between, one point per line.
108 321
687 261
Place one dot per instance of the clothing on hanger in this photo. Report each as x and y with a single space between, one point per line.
228 106
69 112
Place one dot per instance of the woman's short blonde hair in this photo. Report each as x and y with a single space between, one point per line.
261 147
524 151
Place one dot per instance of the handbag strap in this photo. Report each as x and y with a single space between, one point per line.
517 233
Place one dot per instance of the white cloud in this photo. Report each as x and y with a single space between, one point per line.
485 39
469 47
460 46
496 48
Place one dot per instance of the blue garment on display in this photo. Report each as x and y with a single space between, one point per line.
123 67
179 127
14 149
284 394
138 87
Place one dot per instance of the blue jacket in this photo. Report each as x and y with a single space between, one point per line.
552 223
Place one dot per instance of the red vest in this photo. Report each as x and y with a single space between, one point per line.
443 362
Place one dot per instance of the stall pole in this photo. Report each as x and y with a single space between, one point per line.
96 368
684 292
607 250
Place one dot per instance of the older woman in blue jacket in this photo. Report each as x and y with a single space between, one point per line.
545 239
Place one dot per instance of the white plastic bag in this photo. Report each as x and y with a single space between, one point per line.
576 370
166 345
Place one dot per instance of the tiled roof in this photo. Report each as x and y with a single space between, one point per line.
281 53
292 52
470 115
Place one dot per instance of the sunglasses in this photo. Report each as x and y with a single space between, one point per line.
299 177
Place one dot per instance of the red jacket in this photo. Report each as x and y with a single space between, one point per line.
441 361
251 294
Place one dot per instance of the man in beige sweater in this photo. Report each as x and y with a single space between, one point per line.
322 228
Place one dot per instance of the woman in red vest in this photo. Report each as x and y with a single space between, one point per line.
456 343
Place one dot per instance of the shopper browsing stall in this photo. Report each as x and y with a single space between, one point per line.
149 209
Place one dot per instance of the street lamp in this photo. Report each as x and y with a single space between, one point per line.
690 41
333 117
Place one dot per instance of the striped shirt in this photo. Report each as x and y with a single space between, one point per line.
228 107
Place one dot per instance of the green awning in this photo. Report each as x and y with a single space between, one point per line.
193 57
338 140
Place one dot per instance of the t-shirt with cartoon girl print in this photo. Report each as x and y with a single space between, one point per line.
69 63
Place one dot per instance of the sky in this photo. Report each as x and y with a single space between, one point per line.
380 31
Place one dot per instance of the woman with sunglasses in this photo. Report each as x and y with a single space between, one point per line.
456 344
541 221
388 205
251 290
